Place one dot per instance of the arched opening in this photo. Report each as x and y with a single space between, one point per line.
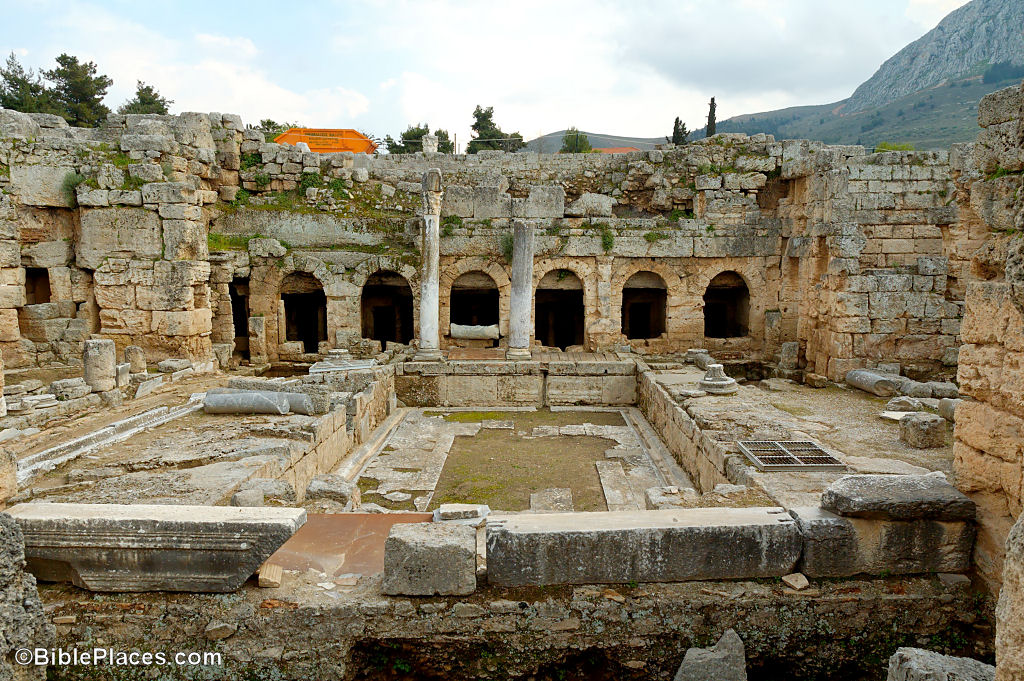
386 308
644 300
726 307
238 291
559 313
305 310
474 300
37 285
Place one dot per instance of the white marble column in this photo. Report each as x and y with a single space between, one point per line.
430 341
521 304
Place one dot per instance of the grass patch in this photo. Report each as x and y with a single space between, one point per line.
792 409
251 160
467 416
894 146
70 184
655 237
229 242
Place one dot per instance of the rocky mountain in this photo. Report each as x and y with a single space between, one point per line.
965 43
926 95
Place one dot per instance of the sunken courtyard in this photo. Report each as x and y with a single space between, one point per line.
510 415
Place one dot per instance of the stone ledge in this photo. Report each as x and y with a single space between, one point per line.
114 547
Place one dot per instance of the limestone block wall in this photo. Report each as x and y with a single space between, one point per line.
121 219
990 425
21 611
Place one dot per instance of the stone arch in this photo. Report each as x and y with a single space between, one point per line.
304 310
644 306
675 291
450 273
574 310
727 306
386 308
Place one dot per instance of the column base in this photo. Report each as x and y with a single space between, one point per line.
519 354
427 355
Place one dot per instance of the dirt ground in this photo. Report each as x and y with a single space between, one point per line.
501 468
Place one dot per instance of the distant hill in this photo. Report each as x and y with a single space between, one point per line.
552 141
926 95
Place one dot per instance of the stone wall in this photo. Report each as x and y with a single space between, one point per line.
22 622
990 425
843 252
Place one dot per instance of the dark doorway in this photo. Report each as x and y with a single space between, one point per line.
238 290
37 285
387 308
474 300
559 312
726 307
644 299
305 310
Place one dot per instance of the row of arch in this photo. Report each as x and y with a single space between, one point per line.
386 306
476 298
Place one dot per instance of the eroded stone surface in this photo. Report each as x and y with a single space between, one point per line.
428 559
897 497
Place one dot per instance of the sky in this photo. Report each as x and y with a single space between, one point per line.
608 66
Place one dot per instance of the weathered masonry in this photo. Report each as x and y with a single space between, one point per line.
182 233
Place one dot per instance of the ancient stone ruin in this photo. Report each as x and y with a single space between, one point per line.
740 407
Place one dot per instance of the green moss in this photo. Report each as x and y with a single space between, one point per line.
676 215
251 160
507 246
654 237
71 182
230 242
449 223
132 183
468 416
261 179
309 180
1002 172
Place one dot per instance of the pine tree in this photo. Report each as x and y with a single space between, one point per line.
410 141
680 134
575 142
146 101
79 90
23 90
487 135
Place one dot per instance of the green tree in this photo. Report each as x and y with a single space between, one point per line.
409 142
146 101
575 142
487 135
711 129
23 90
680 134
79 90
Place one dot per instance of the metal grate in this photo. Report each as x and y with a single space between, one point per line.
789 455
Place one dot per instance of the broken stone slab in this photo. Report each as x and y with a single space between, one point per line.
146 387
904 403
122 374
461 511
897 497
837 546
642 546
98 364
871 382
796 581
70 388
923 430
493 424
278 490
669 497
333 487
944 389
172 364
726 661
428 559
138 547
246 403
251 498
915 664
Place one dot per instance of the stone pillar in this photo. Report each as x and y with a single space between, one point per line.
429 143
520 306
136 357
430 340
257 340
99 361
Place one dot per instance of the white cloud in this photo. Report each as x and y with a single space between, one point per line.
240 48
